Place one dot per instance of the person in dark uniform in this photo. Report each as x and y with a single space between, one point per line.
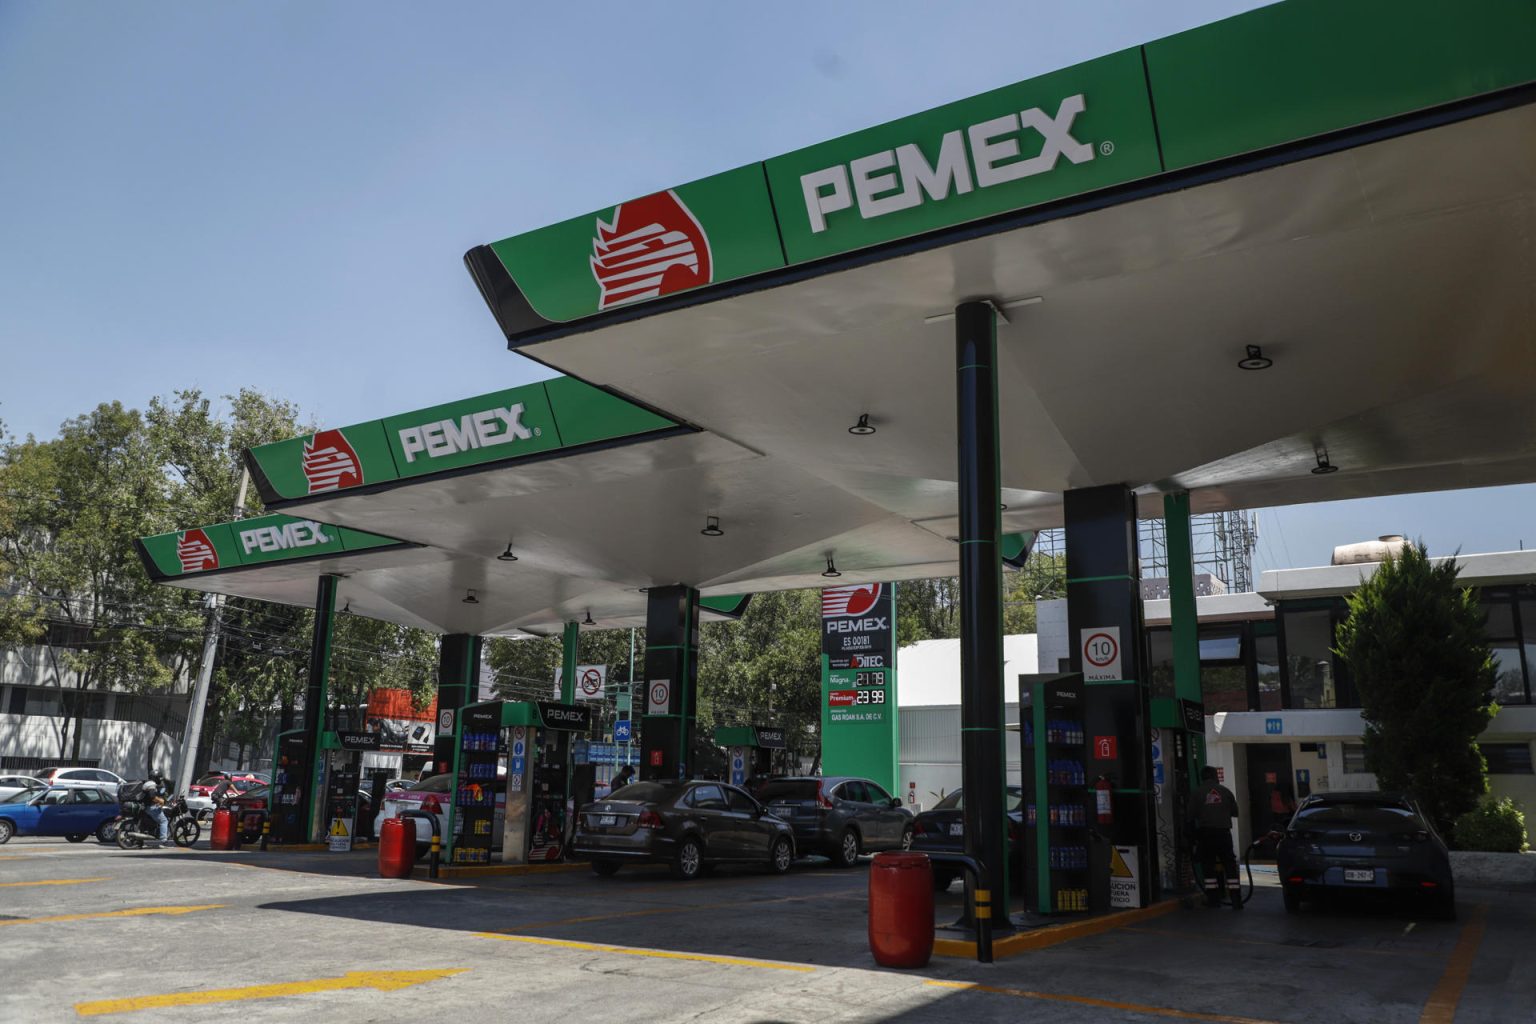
1211 811
625 776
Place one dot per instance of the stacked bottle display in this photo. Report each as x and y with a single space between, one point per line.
1066 777
1059 732
1059 816
475 796
1071 899
1069 858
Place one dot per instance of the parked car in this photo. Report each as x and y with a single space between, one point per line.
74 812
200 793
91 778
251 809
1364 841
10 785
838 817
690 826
433 795
941 829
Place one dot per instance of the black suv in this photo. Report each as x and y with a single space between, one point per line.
839 817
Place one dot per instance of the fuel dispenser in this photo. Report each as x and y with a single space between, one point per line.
513 781
749 750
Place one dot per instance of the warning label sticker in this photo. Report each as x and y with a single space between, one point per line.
1124 877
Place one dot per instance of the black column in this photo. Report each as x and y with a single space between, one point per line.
316 685
981 599
458 674
1104 594
671 683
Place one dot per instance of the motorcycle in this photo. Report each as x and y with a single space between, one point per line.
135 827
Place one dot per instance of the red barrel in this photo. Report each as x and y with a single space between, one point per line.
901 909
397 848
226 831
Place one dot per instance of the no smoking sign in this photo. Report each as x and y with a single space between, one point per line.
1100 648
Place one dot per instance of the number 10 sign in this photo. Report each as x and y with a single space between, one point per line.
1101 653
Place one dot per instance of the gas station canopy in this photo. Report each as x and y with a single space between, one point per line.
1349 188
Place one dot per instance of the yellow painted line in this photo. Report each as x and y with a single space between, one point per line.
54 881
1041 938
384 981
1104 1004
662 954
135 912
1441 1007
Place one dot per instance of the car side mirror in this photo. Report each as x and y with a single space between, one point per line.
895 801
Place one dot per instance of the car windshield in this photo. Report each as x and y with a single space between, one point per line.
955 801
1359 815
20 797
435 784
257 793
45 774
646 792
788 789
210 780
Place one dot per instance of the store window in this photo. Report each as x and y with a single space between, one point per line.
1309 658
1508 758
1223 674
1266 664
1509 686
1354 759
1502 628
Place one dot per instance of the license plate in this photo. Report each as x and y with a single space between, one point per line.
957 830
607 819
1359 875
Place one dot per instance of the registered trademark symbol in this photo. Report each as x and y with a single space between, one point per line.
538 431
1106 148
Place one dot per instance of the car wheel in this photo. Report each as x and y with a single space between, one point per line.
781 855
76 838
6 831
906 838
606 868
1292 901
847 853
106 833
689 862
942 880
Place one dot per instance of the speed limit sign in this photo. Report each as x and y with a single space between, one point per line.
1101 653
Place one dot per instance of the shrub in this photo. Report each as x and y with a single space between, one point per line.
1496 826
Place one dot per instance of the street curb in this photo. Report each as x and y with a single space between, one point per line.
481 870
1040 938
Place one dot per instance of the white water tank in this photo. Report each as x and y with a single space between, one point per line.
1370 550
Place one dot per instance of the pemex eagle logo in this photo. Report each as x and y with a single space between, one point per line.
196 552
330 463
652 247
840 602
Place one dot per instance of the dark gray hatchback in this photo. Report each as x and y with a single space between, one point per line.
690 826
839 817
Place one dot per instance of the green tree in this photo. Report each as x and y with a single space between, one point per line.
1415 647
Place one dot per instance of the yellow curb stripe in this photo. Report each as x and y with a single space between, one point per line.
134 912
1442 1003
662 954
54 881
384 981
1329 950
1042 938
1105 1004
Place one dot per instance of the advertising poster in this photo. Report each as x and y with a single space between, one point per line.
402 727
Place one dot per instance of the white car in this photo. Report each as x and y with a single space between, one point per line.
433 795
77 778
10 785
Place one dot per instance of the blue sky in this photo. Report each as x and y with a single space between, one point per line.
278 195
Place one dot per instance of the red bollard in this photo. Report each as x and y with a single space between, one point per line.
226 831
901 909
397 848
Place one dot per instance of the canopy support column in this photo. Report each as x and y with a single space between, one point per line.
1104 608
671 682
316 698
981 605
568 657
458 675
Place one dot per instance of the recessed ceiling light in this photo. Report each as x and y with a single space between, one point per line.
1255 359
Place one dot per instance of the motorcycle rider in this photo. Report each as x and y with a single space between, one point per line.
154 804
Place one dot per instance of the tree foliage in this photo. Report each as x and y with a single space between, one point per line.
1415 647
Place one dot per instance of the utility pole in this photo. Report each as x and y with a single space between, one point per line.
212 603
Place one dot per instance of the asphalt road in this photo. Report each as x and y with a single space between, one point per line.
87 931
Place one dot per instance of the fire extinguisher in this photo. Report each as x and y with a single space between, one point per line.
1101 798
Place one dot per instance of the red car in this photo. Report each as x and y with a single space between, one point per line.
200 793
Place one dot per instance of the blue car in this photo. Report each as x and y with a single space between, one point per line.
72 813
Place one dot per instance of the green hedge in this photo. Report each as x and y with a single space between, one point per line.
1496 826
